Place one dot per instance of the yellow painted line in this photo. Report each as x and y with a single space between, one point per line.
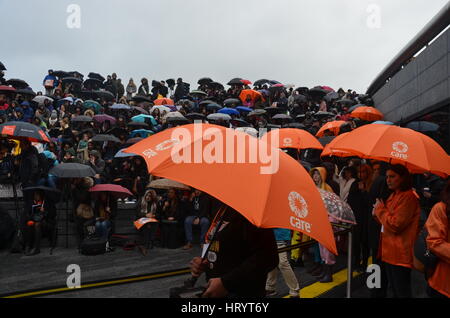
318 288
112 282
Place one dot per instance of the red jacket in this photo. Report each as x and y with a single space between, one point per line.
438 242
400 219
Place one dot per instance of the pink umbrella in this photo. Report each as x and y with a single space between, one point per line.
114 189
102 118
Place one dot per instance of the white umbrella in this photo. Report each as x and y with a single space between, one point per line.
248 130
161 108
218 116
41 99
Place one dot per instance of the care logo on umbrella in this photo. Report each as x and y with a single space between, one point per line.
287 142
400 150
299 206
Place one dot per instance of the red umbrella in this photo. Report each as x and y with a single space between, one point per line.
114 189
6 89
327 88
246 82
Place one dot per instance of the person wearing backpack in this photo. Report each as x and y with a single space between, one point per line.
438 241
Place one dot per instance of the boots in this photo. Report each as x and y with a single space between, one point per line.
328 274
37 241
319 271
314 268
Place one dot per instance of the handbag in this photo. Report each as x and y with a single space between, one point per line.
424 260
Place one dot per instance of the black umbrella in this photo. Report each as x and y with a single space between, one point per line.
93 83
282 117
81 119
300 117
104 94
261 82
140 110
61 74
322 114
76 74
213 106
135 124
117 131
317 92
231 101
296 125
96 76
51 193
235 81
25 91
274 82
140 98
272 111
17 83
2 67
216 85
240 123
178 120
71 80
133 141
72 170
206 102
257 112
300 99
303 90
326 140
204 81
195 116
103 138
156 84
23 131
272 127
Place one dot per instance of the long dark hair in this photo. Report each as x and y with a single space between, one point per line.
407 182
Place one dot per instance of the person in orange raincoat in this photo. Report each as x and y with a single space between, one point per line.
399 217
438 241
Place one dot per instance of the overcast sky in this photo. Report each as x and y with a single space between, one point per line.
301 42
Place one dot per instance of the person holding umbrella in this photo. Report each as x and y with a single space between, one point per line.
399 216
50 82
98 164
40 220
131 89
239 259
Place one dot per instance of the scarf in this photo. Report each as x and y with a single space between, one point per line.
345 188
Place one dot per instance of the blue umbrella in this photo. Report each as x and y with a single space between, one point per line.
121 154
229 111
144 118
423 126
143 133
120 106
244 109
380 122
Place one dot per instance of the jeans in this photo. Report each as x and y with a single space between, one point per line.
204 225
102 228
49 181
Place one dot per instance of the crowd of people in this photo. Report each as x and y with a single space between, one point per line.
73 111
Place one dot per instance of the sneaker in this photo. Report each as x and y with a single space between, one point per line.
271 293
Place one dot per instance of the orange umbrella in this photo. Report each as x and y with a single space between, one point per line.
396 145
367 113
164 101
334 126
254 95
295 138
328 151
225 163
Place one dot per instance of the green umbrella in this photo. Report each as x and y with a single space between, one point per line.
92 104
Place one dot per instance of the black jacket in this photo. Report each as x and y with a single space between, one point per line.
242 256
203 209
29 167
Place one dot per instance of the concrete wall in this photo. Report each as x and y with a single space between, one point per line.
420 85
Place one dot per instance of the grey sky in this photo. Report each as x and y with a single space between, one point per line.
303 42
